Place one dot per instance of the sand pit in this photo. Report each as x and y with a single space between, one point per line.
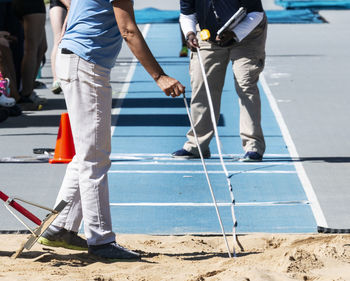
196 258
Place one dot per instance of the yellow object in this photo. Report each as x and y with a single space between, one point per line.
205 35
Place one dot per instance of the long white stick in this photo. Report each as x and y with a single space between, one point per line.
212 115
207 176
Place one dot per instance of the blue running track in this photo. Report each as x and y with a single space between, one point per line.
154 194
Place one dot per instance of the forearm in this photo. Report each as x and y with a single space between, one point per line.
188 23
64 26
124 13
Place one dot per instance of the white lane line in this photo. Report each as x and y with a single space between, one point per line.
196 172
190 204
177 163
310 193
125 88
116 156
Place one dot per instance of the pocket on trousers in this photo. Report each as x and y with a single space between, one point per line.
67 67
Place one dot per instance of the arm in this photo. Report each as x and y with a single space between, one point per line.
64 27
124 14
188 21
188 26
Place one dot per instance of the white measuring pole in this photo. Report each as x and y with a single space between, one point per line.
207 176
212 115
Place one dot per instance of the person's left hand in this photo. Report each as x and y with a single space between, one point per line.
225 37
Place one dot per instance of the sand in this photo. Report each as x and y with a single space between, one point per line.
196 258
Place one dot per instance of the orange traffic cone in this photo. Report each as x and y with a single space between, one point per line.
64 150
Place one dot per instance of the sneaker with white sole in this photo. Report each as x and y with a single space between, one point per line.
113 251
36 99
63 239
251 156
6 101
32 102
56 87
184 154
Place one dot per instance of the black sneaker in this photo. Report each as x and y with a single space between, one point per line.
14 110
251 156
64 239
39 85
113 251
3 114
184 154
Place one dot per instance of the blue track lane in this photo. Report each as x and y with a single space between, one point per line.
152 193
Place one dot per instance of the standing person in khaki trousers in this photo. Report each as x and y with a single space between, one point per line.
86 55
244 46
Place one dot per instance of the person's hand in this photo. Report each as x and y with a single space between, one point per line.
170 86
192 41
3 39
225 37
6 38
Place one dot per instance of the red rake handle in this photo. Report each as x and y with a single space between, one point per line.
20 209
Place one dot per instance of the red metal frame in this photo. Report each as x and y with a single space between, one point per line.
20 209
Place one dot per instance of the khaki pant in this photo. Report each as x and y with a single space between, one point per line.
248 60
88 97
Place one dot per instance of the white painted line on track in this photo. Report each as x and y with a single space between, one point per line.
116 156
125 88
190 204
310 193
177 163
196 172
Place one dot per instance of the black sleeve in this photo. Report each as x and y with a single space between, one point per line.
252 5
187 7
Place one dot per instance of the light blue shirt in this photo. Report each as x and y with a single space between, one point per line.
92 32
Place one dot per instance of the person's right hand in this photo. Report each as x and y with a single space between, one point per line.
170 86
6 38
192 41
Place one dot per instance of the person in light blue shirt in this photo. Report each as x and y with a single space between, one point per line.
90 45
92 32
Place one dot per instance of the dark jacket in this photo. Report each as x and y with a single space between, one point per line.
224 9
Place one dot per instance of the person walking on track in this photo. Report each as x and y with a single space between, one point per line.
87 52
